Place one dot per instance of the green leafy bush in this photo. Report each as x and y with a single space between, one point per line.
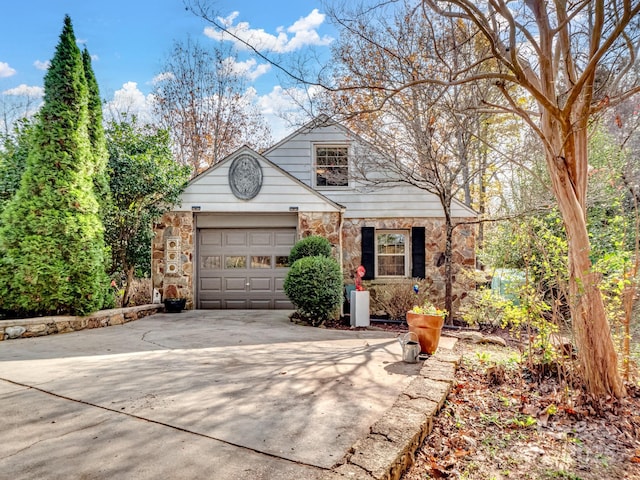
311 246
314 286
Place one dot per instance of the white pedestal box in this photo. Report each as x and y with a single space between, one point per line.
360 309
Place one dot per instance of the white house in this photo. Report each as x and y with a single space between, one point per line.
226 245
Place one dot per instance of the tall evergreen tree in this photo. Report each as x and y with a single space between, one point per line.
96 134
14 151
98 148
51 236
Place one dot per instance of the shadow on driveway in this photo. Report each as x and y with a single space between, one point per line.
206 394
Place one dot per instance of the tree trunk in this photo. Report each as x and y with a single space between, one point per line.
126 296
448 269
596 351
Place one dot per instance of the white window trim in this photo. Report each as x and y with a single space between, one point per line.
314 166
407 253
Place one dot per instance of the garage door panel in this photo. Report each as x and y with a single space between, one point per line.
235 284
260 239
211 304
282 304
284 239
240 304
264 284
279 285
261 304
233 239
211 237
211 284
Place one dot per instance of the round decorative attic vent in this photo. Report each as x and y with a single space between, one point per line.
245 177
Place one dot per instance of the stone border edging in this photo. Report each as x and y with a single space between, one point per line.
40 326
388 450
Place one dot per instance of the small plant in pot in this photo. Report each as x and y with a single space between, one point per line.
428 308
426 322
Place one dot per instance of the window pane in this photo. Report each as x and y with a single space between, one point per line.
261 261
391 250
332 166
282 261
391 243
391 265
235 262
211 261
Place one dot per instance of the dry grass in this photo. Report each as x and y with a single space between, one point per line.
396 299
140 293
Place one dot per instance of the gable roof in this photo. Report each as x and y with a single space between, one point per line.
319 121
341 195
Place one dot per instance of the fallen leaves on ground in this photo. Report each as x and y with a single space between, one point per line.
502 422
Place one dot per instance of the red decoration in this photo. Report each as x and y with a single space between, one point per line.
360 271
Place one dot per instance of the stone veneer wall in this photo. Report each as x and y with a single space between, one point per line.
181 225
324 224
39 326
463 250
174 225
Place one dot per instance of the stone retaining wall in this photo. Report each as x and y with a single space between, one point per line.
39 326
389 448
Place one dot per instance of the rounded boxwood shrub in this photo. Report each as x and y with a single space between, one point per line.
314 286
310 246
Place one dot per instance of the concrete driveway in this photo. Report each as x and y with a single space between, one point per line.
200 394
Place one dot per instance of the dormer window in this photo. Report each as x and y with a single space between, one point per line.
332 166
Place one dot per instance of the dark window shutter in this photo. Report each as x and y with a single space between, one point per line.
417 252
368 244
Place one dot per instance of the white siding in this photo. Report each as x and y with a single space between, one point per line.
393 202
295 153
279 192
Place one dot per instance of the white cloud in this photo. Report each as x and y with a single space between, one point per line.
6 70
248 69
161 77
94 57
281 108
303 33
42 65
130 100
26 91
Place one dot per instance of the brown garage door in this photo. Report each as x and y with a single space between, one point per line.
243 268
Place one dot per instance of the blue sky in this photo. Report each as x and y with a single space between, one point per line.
129 39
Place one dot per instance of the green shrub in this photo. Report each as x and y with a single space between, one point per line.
311 246
314 286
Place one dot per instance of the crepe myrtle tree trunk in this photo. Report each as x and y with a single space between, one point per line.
596 351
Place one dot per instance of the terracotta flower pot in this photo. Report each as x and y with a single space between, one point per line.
427 328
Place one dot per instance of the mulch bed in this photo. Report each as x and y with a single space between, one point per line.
503 421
